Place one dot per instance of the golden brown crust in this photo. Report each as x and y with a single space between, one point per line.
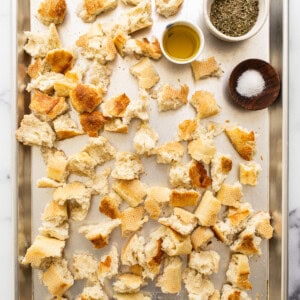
226 165
35 68
120 42
92 6
92 122
243 142
85 98
205 68
169 152
150 49
202 149
116 107
109 207
186 129
59 60
198 176
52 11
200 237
230 194
182 197
46 106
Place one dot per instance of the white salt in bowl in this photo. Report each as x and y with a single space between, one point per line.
262 16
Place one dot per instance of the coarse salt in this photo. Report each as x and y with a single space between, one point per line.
250 83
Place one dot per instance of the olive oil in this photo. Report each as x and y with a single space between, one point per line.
181 42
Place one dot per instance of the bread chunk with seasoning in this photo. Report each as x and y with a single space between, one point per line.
169 153
204 262
88 10
128 166
243 141
128 283
145 72
92 122
182 221
249 173
170 280
238 272
205 104
84 266
98 234
167 8
108 266
52 11
42 251
57 278
32 132
206 68
229 292
230 195
59 60
208 209
183 197
200 237
221 165
169 98
132 191
132 219
65 127
202 149
39 44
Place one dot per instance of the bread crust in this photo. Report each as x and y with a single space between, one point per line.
183 197
92 122
52 11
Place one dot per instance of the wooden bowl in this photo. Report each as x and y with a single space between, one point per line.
267 96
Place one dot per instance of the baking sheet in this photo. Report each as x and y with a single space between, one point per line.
166 125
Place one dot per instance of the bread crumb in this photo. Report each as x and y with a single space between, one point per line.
249 173
168 8
169 153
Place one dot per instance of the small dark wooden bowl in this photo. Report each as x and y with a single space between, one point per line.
267 96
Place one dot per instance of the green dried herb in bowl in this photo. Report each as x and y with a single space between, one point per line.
234 17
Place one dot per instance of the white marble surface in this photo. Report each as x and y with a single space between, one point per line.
6 280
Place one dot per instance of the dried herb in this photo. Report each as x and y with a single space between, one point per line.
234 17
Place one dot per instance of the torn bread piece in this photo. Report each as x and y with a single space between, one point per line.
100 150
224 231
205 262
169 98
198 287
65 127
182 221
92 122
145 72
128 166
47 108
247 242
205 104
169 153
261 221
243 141
230 195
170 280
238 272
78 197
221 165
202 149
109 205
88 10
145 139
59 60
179 175
98 234
183 197
138 109
56 162
208 209
200 237
39 44
108 266
116 125
52 11
157 197
60 232
167 8
238 216
98 75
95 44
133 251
82 164
229 292
206 68
32 132
187 129
42 251
249 173
93 291
55 213
115 107
85 98
84 266
44 82
36 68
134 296
132 220
99 184
132 191
128 283
198 175
57 278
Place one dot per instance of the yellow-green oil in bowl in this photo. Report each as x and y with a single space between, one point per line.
181 42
